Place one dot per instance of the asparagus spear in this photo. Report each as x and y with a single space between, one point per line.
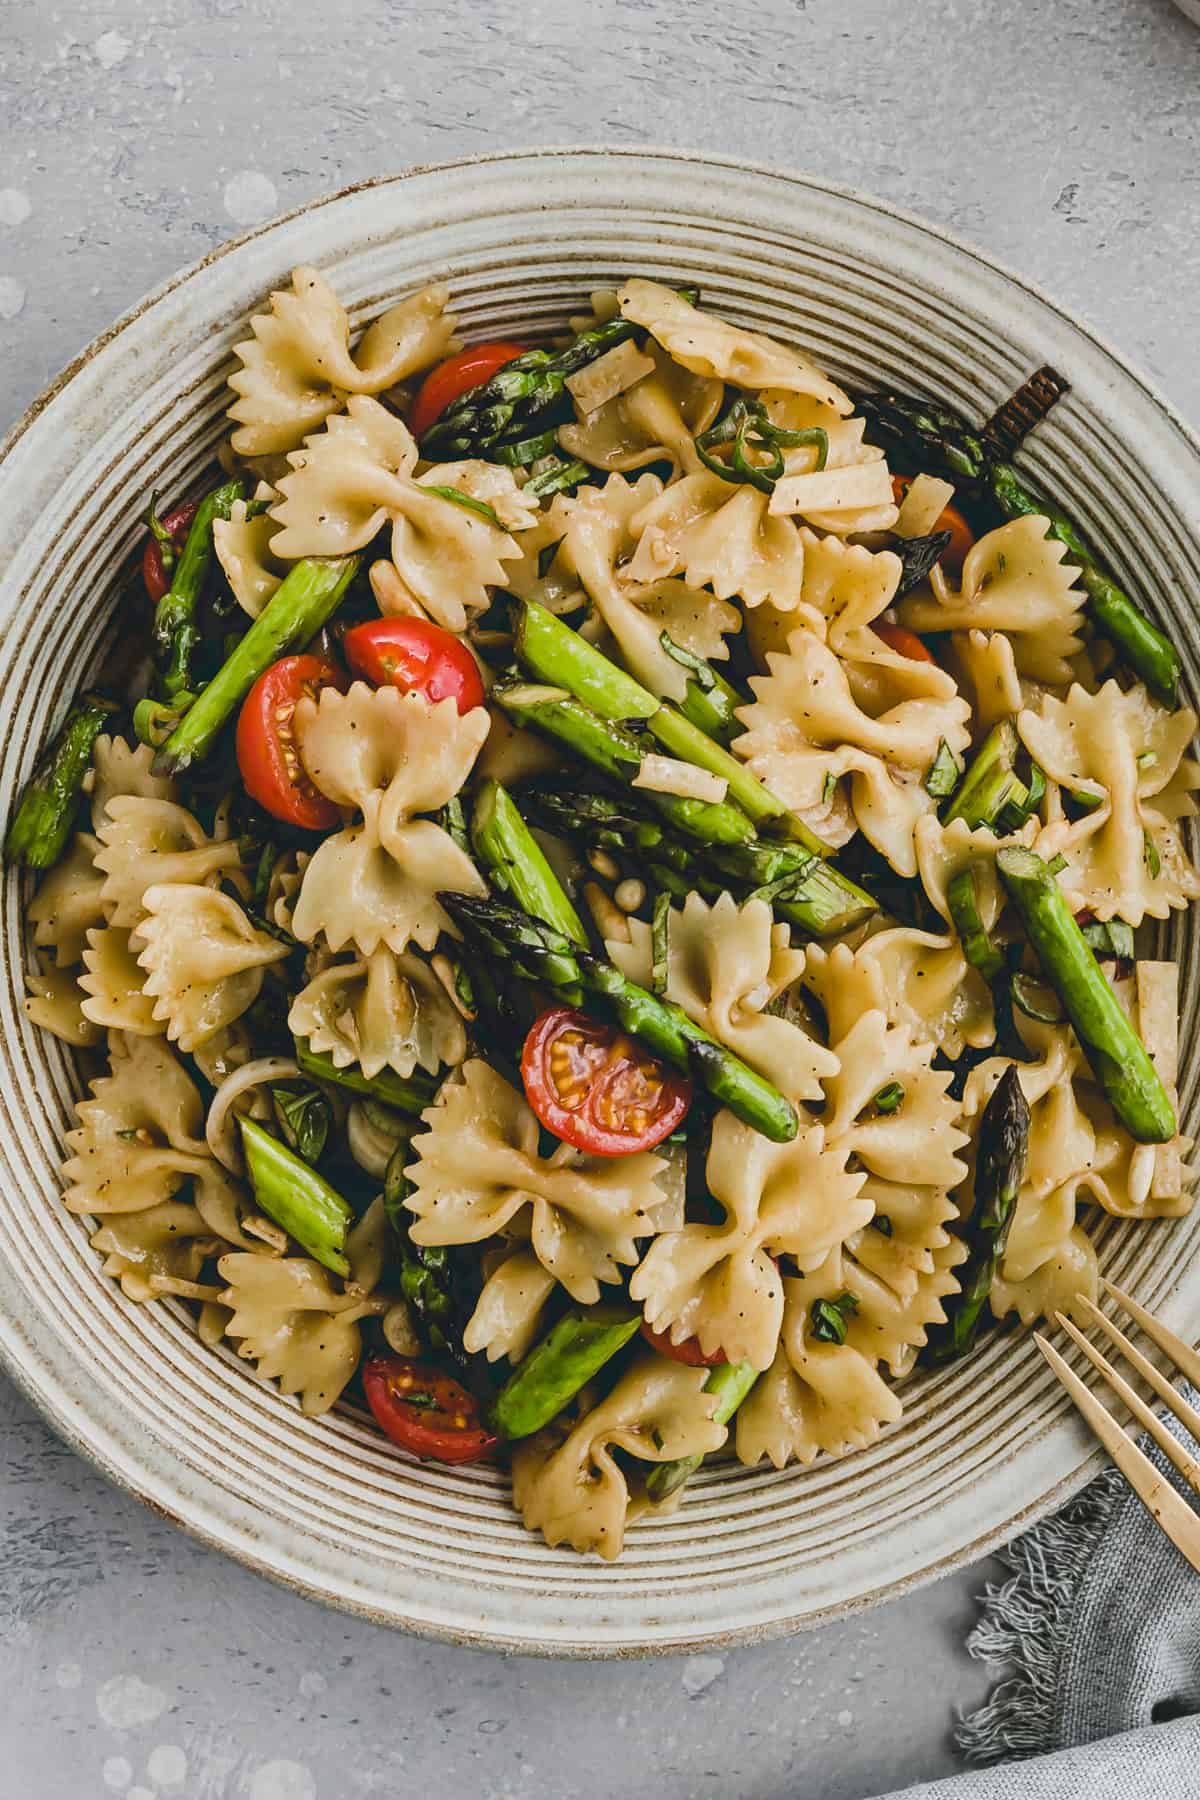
803 890
517 863
1111 1045
309 594
407 1093
573 1350
991 781
1001 1154
521 406
51 798
176 629
545 955
935 433
710 701
296 1197
731 1382
559 656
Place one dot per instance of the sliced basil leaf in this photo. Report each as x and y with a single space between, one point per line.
467 501
889 1098
944 773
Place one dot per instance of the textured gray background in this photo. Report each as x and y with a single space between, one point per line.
1063 136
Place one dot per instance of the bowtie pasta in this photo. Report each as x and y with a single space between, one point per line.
609 923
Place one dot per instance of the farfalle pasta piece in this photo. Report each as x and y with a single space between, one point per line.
389 755
845 449
720 1283
297 365
54 1002
1016 580
139 1132
711 347
575 1491
805 728
655 420
477 1172
160 1250
725 965
290 1317
846 587
917 1140
381 1011
243 548
111 982
119 767
509 1309
203 958
69 902
918 978
146 843
1124 857
356 474
721 537
989 671
597 542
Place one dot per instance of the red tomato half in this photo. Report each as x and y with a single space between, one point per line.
417 657
595 1087
961 536
424 1411
178 522
903 641
688 1351
455 377
267 753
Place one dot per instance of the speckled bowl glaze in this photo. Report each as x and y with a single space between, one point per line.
324 1504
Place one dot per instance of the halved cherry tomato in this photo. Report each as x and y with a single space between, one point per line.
267 753
451 379
595 1087
416 656
961 536
178 522
424 1411
688 1351
903 641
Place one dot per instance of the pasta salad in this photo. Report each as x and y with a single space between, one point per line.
599 893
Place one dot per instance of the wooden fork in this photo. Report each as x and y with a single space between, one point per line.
1164 1503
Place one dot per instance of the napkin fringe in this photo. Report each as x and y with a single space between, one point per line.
1026 1623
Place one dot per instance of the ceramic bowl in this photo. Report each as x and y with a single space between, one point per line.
325 1504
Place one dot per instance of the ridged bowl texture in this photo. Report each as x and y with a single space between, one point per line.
325 1504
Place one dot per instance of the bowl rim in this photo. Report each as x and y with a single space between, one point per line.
60 1410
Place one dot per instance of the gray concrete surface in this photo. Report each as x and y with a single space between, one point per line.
1061 135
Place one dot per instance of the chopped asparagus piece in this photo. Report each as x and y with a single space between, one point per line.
517 863
1003 1147
575 1349
309 594
547 956
296 1197
409 1094
50 800
176 627
1110 1043
962 897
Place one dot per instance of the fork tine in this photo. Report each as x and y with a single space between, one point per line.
1187 1465
1186 1360
1186 1414
1155 1492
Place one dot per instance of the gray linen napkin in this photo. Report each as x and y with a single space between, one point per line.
1099 1626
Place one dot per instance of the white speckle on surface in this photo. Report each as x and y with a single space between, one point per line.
12 297
15 207
167 1765
312 1684
699 1672
68 1675
127 1701
282 1781
845 1718
250 197
174 81
111 49
117 1774
141 1793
